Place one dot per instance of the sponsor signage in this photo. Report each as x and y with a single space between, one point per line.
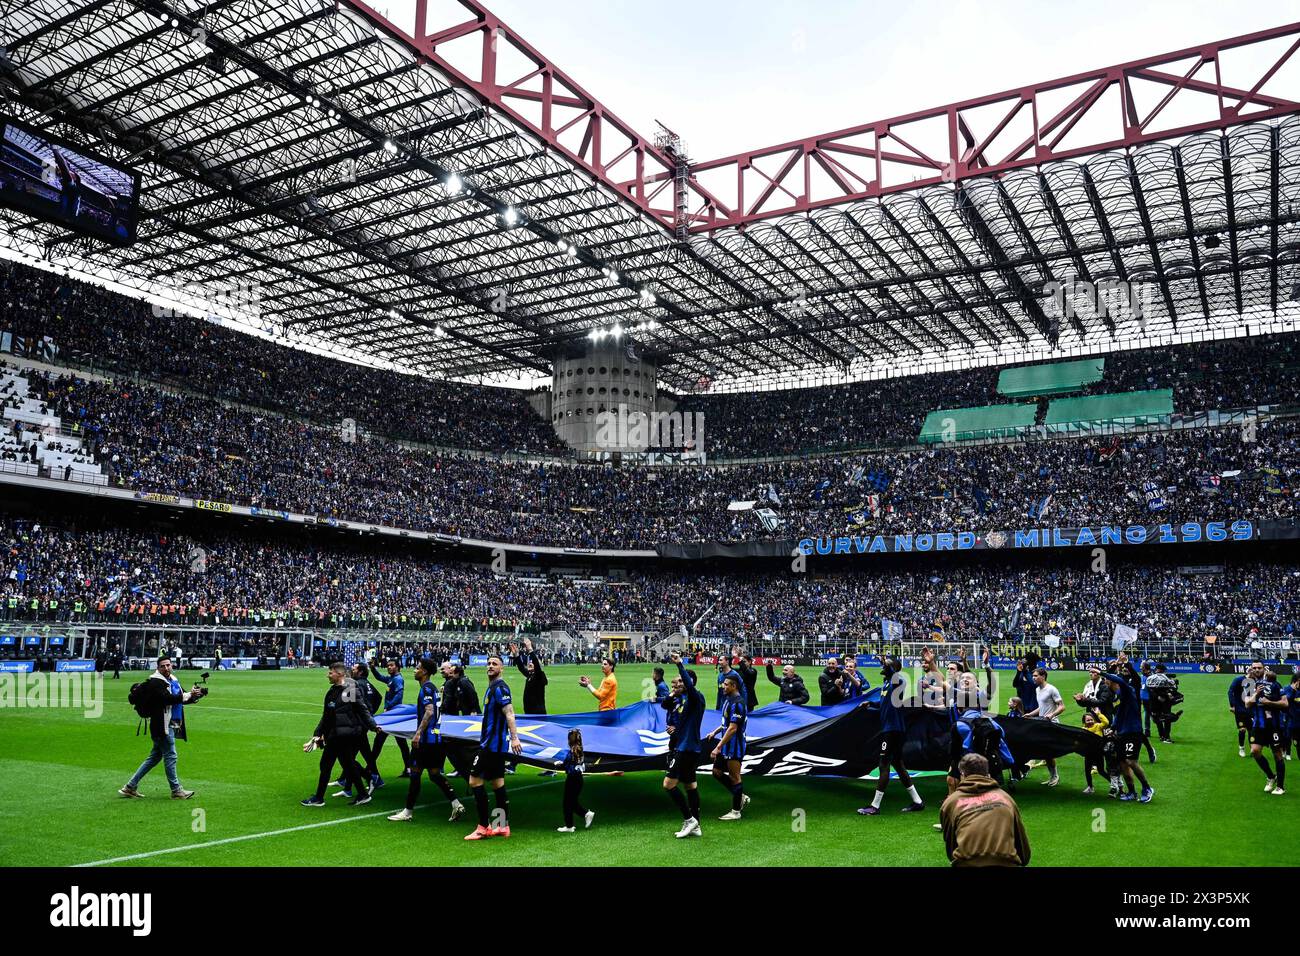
17 667
74 666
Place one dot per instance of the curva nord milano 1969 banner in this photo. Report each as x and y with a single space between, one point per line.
1186 533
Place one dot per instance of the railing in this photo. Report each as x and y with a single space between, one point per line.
815 647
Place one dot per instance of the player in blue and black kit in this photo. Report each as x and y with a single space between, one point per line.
394 689
725 670
1129 738
427 750
893 733
1269 709
1240 712
497 737
1292 693
855 682
685 708
730 751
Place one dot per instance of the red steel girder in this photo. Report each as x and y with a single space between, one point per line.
982 136
979 137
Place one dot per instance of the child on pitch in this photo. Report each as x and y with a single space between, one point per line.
574 765
1094 722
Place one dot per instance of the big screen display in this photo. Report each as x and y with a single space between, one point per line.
50 178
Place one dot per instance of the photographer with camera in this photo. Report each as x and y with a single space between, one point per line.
161 701
1162 696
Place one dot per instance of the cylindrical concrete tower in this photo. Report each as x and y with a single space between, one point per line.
599 392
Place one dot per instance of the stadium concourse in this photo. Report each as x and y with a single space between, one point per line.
987 524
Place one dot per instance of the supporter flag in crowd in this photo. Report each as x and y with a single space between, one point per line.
1109 451
1155 500
857 474
981 500
873 505
857 514
1124 635
820 487
771 520
878 479
772 496
1038 510
1209 483
891 631
1273 483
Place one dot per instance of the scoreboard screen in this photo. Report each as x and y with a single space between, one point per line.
62 183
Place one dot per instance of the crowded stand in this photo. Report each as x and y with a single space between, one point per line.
93 328
58 572
152 441
90 327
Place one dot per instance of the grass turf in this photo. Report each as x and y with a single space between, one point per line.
59 774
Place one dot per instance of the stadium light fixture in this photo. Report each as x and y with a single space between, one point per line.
453 183
510 216
390 147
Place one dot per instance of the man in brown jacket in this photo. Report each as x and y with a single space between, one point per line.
981 823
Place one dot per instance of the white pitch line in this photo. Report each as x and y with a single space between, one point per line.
258 836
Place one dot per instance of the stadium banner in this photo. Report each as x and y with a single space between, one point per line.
1189 532
157 498
478 660
64 667
17 667
269 513
205 505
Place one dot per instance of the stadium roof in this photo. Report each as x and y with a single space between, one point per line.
443 197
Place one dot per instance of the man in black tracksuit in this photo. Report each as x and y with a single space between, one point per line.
530 665
344 721
370 694
467 693
831 683
749 675
450 691
454 705
793 689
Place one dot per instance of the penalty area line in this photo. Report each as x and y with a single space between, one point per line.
258 836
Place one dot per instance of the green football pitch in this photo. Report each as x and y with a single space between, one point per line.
60 770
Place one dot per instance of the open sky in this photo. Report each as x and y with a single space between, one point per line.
729 75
